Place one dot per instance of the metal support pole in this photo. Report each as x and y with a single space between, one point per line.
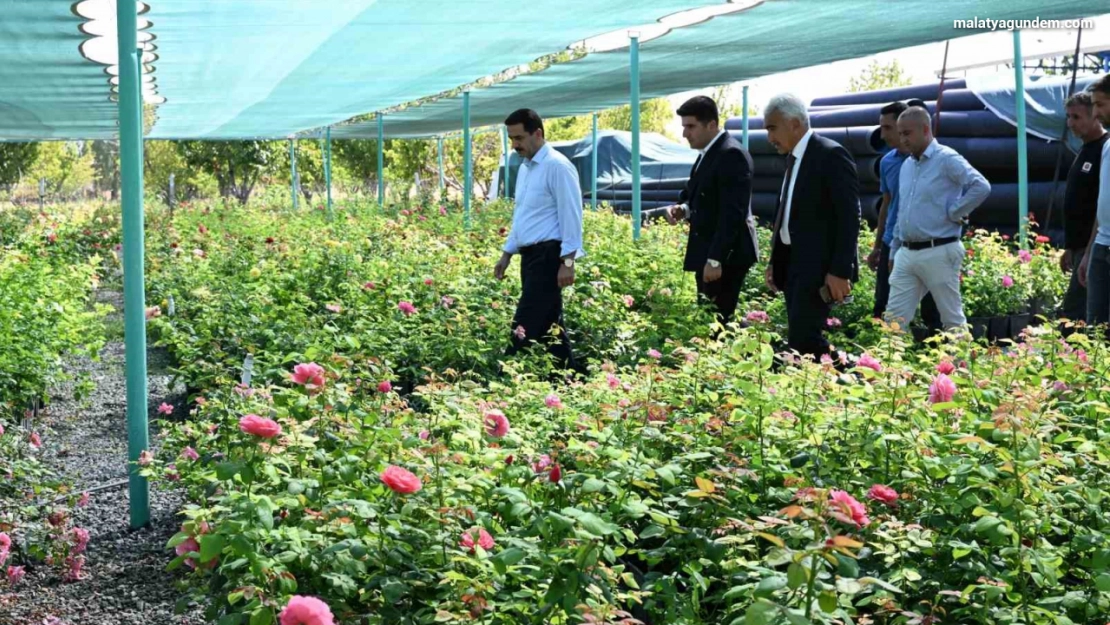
505 158
439 157
327 167
468 164
593 166
634 61
134 299
744 136
1023 164
293 170
42 194
171 197
381 160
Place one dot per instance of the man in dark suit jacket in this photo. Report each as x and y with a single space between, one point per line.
722 243
813 258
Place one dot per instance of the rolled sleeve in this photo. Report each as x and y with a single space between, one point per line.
511 246
975 187
568 202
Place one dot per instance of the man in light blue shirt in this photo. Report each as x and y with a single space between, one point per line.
1095 266
547 233
938 189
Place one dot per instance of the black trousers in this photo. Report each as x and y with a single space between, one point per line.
1074 306
724 292
541 304
807 314
930 314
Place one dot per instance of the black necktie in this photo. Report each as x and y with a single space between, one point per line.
694 169
782 194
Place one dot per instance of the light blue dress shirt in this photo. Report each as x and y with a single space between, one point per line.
935 193
548 204
1103 236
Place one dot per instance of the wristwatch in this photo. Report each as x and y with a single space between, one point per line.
714 264
568 262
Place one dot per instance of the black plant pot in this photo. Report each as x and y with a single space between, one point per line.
1019 323
979 326
999 328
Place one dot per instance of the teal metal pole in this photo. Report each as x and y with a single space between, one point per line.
327 167
468 172
745 134
134 298
1023 164
593 166
293 170
439 156
505 156
381 160
635 97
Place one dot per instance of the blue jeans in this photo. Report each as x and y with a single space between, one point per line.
1098 285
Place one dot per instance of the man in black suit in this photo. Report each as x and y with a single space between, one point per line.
813 257
722 243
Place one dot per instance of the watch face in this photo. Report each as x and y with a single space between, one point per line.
568 262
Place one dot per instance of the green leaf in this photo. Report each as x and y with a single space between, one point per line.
796 576
211 546
652 531
760 613
227 470
595 524
797 619
1102 582
827 601
592 485
263 616
846 567
768 585
510 556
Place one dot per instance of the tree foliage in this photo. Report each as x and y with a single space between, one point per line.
237 165
15 159
876 76
67 167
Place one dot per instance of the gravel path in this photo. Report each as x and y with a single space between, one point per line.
125 582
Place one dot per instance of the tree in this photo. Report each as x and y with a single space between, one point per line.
15 159
106 166
876 76
310 166
360 158
67 167
237 165
162 158
655 115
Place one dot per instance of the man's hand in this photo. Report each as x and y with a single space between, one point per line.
769 280
711 273
502 265
873 258
1066 261
839 288
674 213
1083 268
566 276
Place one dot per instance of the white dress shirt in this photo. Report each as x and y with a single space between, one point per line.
798 151
548 204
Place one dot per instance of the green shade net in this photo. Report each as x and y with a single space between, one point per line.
774 36
47 89
263 68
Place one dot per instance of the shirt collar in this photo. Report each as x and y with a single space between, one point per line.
929 151
800 149
541 155
720 133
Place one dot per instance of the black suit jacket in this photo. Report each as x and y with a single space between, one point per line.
824 217
719 195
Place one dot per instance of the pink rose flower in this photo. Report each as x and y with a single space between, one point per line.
654 353
15 573
833 322
152 312
883 493
385 386
758 316
868 361
849 508
36 440
189 453
556 474
1007 281
519 332
83 500
485 541
165 409
401 480
553 401
614 381
406 308
629 301
306 611
259 426
428 282
946 367
1024 256
310 375
942 390
497 424
145 458
369 286
541 464
335 308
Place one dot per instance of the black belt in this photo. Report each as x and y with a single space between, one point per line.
541 245
924 245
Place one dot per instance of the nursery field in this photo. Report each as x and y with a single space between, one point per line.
351 447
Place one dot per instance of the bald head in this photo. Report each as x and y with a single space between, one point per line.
915 130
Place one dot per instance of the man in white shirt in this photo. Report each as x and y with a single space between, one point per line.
547 233
722 244
1094 269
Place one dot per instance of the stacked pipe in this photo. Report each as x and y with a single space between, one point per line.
988 142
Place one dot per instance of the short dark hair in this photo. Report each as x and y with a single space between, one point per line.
700 107
526 117
1081 98
1102 85
918 102
894 108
